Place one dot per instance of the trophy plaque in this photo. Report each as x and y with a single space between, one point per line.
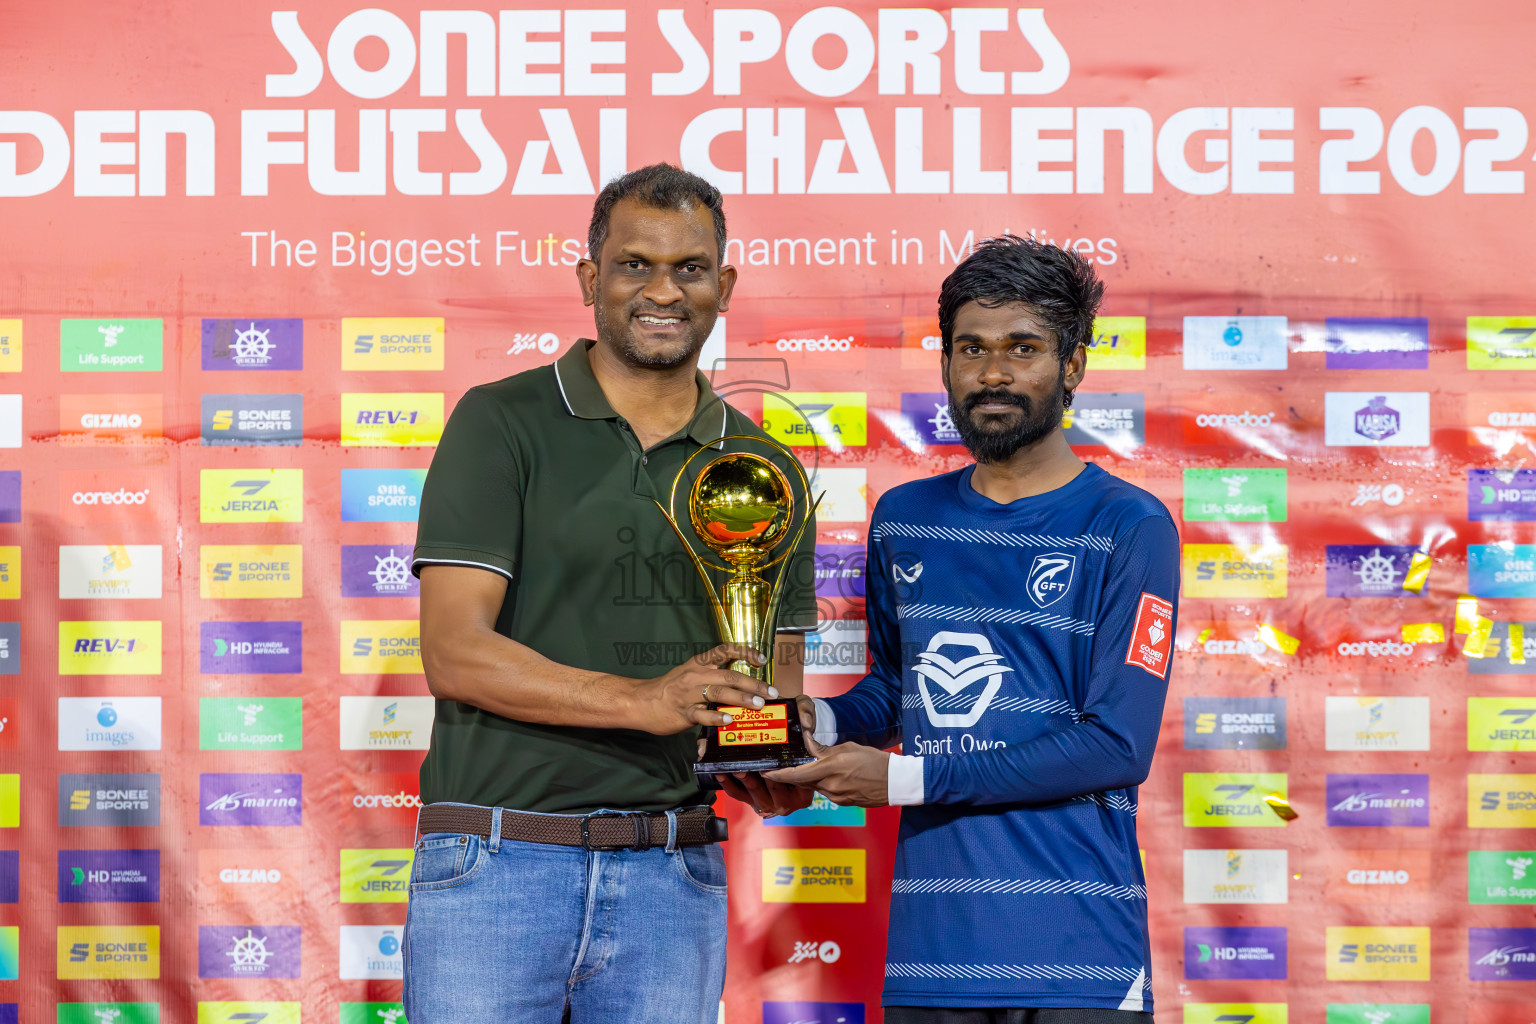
742 509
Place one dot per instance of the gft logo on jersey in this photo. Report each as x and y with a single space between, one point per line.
380 645
377 570
244 1013
1236 343
248 951
259 419
108 952
392 343
119 344
391 419
251 570
96 648
381 495
1235 876
1050 577
253 344
252 495
1232 799
1377 954
375 876
373 952
970 662
813 876
1501 343
829 419
1501 876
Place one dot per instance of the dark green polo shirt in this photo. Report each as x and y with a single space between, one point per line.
539 480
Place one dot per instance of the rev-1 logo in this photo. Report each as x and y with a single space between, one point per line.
1050 577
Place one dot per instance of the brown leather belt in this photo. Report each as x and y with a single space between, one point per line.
601 830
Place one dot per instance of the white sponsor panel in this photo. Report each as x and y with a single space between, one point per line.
370 952
1373 419
839 647
109 571
845 500
109 723
1236 876
386 723
1377 723
10 421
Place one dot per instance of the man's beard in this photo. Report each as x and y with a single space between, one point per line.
999 443
614 331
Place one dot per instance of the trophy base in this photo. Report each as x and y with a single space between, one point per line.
757 740
762 764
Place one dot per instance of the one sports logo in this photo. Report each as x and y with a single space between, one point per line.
1050 577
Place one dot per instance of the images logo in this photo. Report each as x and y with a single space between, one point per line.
119 344
253 344
1377 954
1118 343
114 799
1379 876
831 419
1360 418
251 570
247 1013
813 876
1377 343
1501 801
370 646
1501 570
109 876
95 648
1235 495
1235 876
925 420
821 812
381 495
375 876
110 951
109 571
251 648
953 676
244 799
1228 800
259 419
386 723
1239 953
251 723
1234 723
392 343
252 495
1235 343
390 419
1114 420
1378 801
109 723
371 952
248 951
1497 495
1501 343
377 570
110 419
812 1013
1230 570
1377 723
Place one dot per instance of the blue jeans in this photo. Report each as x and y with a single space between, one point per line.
521 933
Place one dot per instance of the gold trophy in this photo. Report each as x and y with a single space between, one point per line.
742 507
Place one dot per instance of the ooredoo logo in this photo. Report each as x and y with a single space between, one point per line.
1241 418
113 496
815 341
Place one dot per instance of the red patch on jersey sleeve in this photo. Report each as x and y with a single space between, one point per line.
1152 637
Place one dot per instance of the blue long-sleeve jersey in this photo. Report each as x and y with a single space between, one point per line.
1022 651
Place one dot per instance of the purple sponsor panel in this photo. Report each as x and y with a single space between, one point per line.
10 496
1501 954
227 798
1377 343
925 417
252 648
1234 953
840 570
10 876
253 344
109 876
1497 495
812 1013
1368 570
377 570
248 951
1378 801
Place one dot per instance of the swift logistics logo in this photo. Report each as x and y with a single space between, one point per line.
109 723
251 723
1234 953
1378 801
386 723
1231 799
372 952
1501 876
391 419
828 419
253 344
1236 343
1368 570
1235 495
813 876
1235 1013
250 799
377 570
1501 723
1501 801
376 876
252 419
1116 420
1377 343
118 952
111 497
109 648
109 876
1118 343
1501 570
1501 496
117 419
114 800
251 648
846 494
1379 876
110 572
1377 954
1501 342
1367 419
381 495
246 1013
1377 723
392 343
248 951
370 646
1234 723
251 495
121 344
1232 570
1501 954
251 570
1236 876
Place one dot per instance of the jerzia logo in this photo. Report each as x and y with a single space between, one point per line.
954 676
1050 577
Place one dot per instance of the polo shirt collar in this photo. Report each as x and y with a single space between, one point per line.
583 396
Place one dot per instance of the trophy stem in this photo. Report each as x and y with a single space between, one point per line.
744 604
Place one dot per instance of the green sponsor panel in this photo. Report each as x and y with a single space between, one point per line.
1236 1013
251 723
121 344
1235 495
1232 799
1501 876
117 1013
1378 1013
372 1013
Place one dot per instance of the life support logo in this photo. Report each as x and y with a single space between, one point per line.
953 676
1050 577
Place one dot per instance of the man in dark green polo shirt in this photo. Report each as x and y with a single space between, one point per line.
571 650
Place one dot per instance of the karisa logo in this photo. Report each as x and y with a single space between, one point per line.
1050 577
954 676
1377 421
827 952
547 343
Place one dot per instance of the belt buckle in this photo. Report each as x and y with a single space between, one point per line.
642 830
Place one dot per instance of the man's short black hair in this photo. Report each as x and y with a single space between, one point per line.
1058 282
661 187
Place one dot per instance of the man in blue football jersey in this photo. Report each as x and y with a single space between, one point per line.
1021 618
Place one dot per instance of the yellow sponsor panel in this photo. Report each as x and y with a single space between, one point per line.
1378 954
251 570
1501 723
391 343
386 419
10 801
375 876
829 419
1232 799
109 648
252 495
1501 801
813 876
109 951
10 572
380 645
265 1013
1236 1013
1118 343
1235 570
10 346
1501 342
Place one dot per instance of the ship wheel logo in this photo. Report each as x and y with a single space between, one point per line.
1376 571
249 954
252 346
390 572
